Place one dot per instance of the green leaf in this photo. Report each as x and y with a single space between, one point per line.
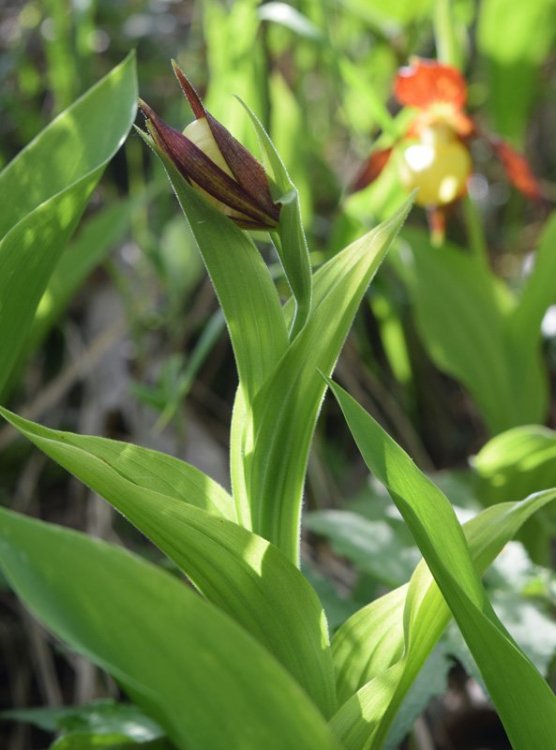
247 577
377 629
143 469
177 656
465 316
291 243
43 193
244 288
512 465
285 410
524 701
380 623
101 233
514 40
242 282
102 716
88 741
462 326
79 258
515 463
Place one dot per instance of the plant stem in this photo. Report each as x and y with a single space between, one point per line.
447 45
475 233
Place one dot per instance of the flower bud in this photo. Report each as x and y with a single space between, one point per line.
216 164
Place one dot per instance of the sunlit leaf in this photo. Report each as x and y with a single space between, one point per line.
510 677
240 572
44 191
181 659
285 410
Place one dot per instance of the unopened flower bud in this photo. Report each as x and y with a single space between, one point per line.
216 164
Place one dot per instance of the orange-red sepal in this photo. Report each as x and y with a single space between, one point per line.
517 169
425 83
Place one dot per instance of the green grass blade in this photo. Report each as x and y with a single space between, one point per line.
201 676
238 571
43 193
523 699
96 238
285 411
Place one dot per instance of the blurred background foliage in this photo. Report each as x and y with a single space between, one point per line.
455 356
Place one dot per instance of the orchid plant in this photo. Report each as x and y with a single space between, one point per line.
244 658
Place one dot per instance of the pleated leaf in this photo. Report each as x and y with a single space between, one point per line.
201 676
241 573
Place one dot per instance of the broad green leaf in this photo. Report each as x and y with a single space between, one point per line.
78 259
514 39
524 701
462 326
373 639
43 193
465 316
369 642
284 412
291 243
202 677
144 469
240 572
